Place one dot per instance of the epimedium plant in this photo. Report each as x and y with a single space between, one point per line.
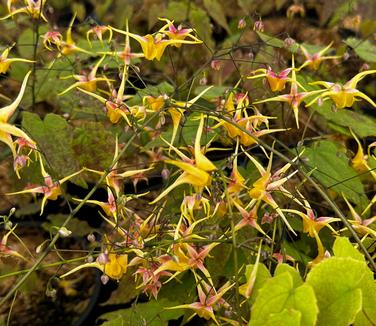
236 203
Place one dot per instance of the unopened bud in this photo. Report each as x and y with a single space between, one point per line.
91 237
104 279
258 26
64 232
12 211
346 56
165 174
216 65
364 67
203 81
51 293
242 23
102 258
289 42
8 225
90 259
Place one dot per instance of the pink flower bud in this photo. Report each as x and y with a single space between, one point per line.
289 42
104 279
91 237
242 23
258 26
165 174
203 81
216 65
102 258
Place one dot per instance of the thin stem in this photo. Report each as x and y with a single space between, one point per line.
306 175
68 219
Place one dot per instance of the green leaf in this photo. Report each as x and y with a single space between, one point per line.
343 248
213 92
278 294
54 138
200 20
287 317
151 313
336 282
367 316
285 268
216 11
93 145
270 40
331 168
276 42
360 123
176 10
363 48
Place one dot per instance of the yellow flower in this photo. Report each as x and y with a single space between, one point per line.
33 8
116 107
239 117
51 190
359 161
345 95
313 61
195 171
69 46
7 130
87 82
294 98
115 267
209 300
263 187
277 82
5 62
179 33
153 46
311 223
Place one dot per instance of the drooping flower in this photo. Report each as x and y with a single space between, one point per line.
263 187
51 189
240 117
359 161
6 250
115 266
33 8
69 46
311 223
178 33
360 225
209 299
196 171
5 62
99 30
126 55
7 131
277 82
116 107
52 37
88 81
294 98
113 184
313 61
344 95
153 46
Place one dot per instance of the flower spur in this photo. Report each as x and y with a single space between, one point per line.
344 95
196 172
